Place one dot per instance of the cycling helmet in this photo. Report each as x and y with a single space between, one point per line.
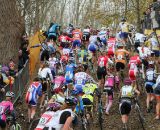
71 101
53 106
127 81
10 94
4 69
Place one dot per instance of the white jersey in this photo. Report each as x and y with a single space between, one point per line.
43 73
52 62
52 119
93 39
150 74
127 91
85 31
144 52
140 37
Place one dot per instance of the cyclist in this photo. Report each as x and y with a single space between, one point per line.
103 61
124 27
86 35
126 96
82 57
34 91
103 35
69 30
58 83
69 71
43 73
61 119
156 89
53 31
150 81
63 39
111 46
81 78
120 58
6 109
77 37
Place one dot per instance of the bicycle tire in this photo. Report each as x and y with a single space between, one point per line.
31 125
100 114
141 119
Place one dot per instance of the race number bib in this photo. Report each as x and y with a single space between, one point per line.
63 39
79 81
150 75
119 57
45 119
133 66
101 63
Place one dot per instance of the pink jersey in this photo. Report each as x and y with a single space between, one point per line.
59 80
4 106
102 61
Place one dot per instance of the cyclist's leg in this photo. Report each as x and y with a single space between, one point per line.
157 95
110 101
44 90
33 112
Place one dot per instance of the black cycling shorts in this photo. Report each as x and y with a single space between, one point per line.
149 88
44 87
119 66
125 107
108 90
85 67
86 101
2 124
45 55
145 62
53 37
101 72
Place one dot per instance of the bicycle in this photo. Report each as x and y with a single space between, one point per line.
100 110
140 116
33 124
13 125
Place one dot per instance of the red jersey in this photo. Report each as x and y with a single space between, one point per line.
64 38
77 34
134 60
102 61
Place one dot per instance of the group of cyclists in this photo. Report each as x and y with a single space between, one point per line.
91 61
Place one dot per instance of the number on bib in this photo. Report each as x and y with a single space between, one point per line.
101 63
119 57
79 81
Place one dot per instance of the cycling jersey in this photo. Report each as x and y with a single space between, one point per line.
150 75
144 52
102 34
80 80
59 81
44 73
120 55
103 61
127 91
82 56
69 72
140 37
77 35
53 30
63 39
93 39
92 47
86 34
34 90
54 120
111 46
134 60
5 107
124 26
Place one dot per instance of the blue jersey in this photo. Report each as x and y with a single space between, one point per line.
34 90
53 30
70 72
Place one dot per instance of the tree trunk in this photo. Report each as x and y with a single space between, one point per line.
11 30
138 15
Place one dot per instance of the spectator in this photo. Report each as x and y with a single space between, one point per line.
12 71
21 60
2 84
155 24
147 19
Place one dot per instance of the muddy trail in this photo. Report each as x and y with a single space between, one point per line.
111 122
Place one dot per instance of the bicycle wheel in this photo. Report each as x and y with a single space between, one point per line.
12 127
100 114
18 126
141 118
33 124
